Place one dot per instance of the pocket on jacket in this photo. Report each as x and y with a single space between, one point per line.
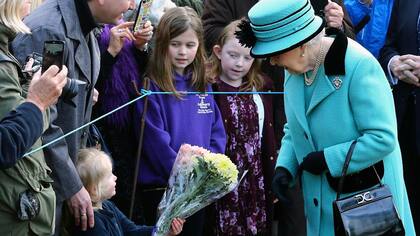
28 205
43 223
10 188
38 185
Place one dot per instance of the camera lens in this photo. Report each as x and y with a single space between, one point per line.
70 90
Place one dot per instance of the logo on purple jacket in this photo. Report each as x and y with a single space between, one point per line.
203 107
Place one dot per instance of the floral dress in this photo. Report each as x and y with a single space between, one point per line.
243 211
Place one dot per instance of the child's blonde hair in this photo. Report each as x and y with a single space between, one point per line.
10 15
93 166
252 79
172 24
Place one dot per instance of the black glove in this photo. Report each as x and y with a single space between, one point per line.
280 184
314 163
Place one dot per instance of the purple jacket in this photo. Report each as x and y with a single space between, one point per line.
171 122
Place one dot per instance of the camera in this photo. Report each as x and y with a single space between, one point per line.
37 62
71 88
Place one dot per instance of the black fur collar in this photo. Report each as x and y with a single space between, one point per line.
334 60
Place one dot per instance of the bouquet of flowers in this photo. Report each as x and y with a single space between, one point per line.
197 179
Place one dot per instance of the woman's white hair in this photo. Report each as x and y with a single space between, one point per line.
313 43
10 15
315 40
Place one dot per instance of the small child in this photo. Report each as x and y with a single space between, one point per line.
250 144
95 170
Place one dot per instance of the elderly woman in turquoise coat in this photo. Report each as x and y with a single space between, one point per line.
335 93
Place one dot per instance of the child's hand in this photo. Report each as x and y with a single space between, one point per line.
176 226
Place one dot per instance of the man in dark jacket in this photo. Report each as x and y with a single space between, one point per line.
400 59
71 21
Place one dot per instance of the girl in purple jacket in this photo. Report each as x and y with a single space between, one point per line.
250 136
177 64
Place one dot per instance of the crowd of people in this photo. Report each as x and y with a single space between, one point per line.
350 72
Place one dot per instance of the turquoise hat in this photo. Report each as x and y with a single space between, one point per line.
282 25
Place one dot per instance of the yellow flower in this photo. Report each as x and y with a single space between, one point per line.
198 178
223 165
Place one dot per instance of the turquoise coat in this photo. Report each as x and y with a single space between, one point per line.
360 108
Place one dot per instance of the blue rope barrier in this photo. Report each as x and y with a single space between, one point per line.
144 93
85 125
148 92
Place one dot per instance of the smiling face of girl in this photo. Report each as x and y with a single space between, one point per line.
235 61
182 50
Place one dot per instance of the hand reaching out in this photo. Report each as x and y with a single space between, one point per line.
176 226
118 34
122 32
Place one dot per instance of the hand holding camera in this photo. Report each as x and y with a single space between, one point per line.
53 55
45 89
143 29
33 64
143 36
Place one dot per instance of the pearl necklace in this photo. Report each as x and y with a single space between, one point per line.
318 61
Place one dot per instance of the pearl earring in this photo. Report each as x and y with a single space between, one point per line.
303 54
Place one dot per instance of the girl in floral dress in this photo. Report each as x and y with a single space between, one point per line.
250 136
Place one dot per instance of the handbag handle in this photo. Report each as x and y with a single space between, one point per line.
346 166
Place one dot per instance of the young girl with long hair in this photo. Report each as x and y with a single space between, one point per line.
248 120
177 64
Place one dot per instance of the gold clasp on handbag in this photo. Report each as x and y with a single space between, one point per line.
363 197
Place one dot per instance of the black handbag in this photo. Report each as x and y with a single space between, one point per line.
371 212
95 139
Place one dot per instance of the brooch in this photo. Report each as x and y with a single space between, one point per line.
337 82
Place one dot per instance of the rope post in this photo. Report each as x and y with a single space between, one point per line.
139 148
